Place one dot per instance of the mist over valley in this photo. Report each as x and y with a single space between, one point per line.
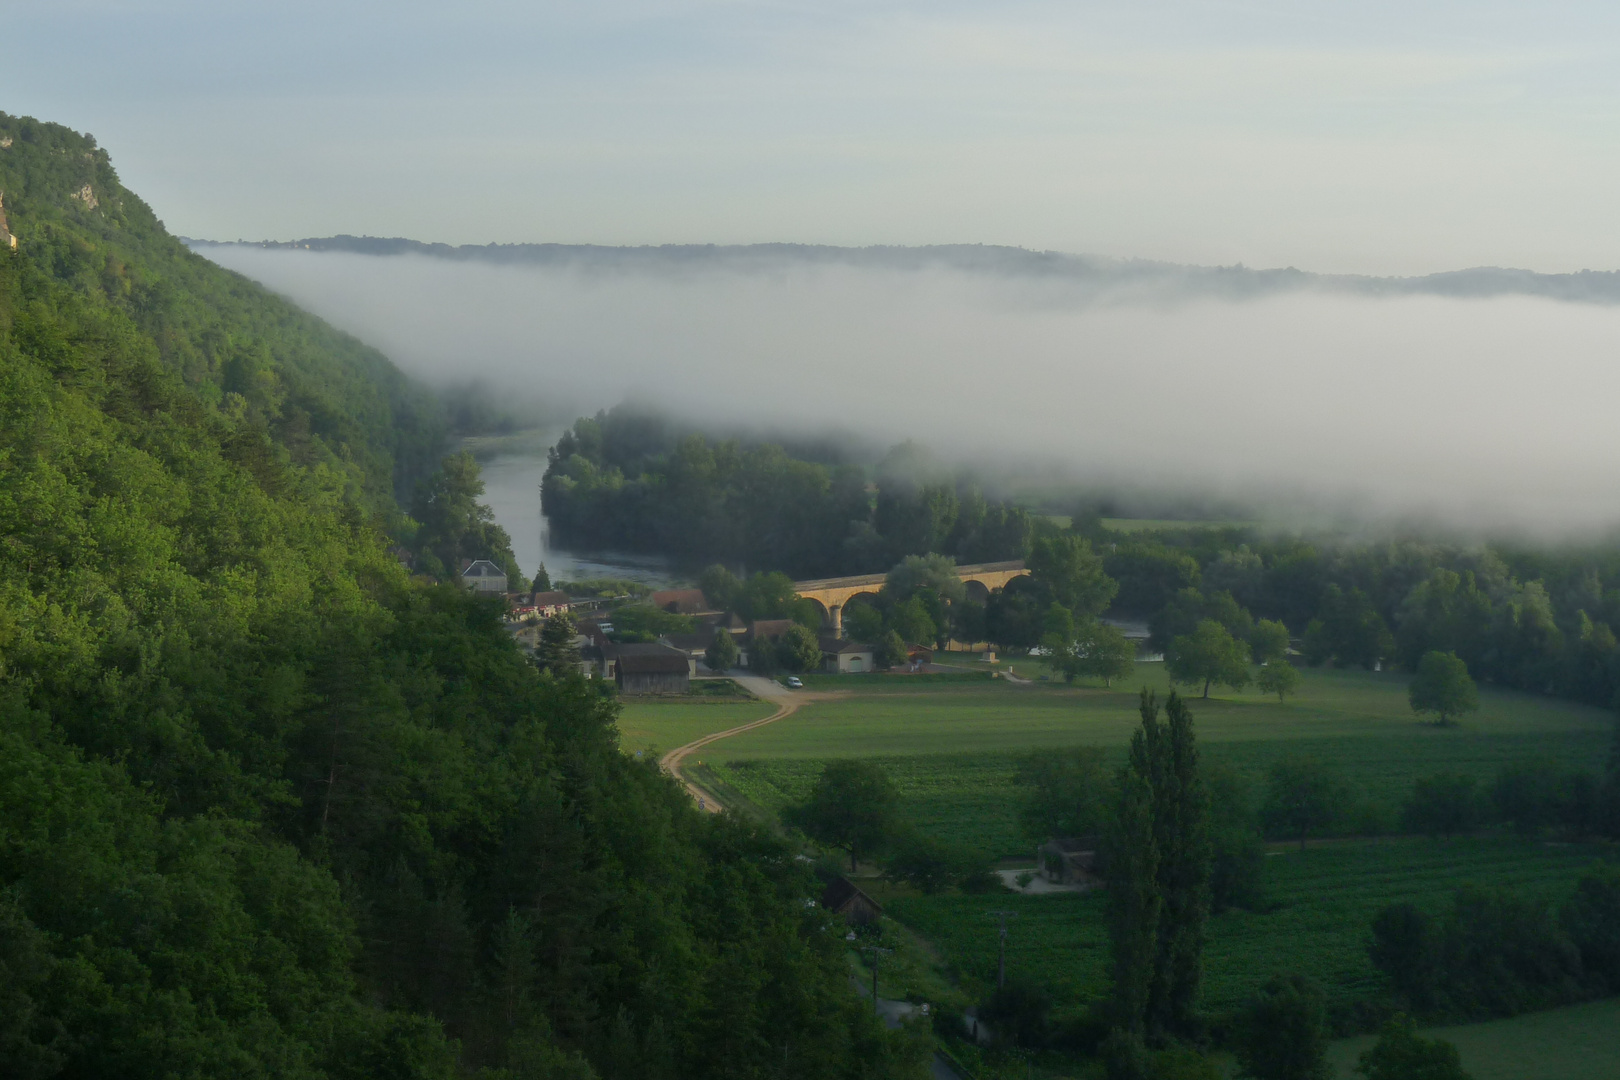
1476 401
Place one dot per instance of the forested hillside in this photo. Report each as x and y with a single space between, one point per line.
633 482
270 808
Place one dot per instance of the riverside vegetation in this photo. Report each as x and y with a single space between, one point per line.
269 806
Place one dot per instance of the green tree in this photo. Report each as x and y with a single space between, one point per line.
798 650
911 621
889 650
1157 922
1209 655
558 652
1442 686
1134 901
853 807
721 655
720 587
1269 641
1284 1031
1066 793
1096 651
929 865
1591 918
1237 854
1302 797
862 622
917 572
1070 573
1402 1054
455 527
1278 677
1181 821
1347 630
1406 947
542 580
1609 792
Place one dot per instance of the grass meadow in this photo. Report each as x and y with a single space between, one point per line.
951 745
1319 906
1578 1042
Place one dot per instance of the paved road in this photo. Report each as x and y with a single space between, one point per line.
787 701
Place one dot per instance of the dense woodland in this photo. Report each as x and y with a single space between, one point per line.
268 805
1539 619
628 481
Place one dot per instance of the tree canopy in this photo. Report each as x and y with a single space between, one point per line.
1441 686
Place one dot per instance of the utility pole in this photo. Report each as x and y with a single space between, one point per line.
875 951
1001 959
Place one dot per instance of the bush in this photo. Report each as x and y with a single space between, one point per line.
1591 919
931 866
1283 1034
1537 795
1442 805
1019 1012
1406 948
1402 1054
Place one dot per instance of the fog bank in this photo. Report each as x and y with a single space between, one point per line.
1486 412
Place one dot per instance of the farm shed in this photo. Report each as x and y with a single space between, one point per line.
1071 861
841 897
650 669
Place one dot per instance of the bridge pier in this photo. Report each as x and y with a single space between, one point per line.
835 616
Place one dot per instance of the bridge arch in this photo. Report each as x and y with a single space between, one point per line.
831 594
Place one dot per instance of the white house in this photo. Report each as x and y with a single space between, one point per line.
484 576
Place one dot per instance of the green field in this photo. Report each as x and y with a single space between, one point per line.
654 727
1580 1042
951 743
1321 904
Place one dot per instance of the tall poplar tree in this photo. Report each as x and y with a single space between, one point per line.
1159 871
1181 812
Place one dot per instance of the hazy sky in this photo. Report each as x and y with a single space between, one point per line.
1365 136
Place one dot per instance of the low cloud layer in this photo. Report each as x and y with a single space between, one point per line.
1483 412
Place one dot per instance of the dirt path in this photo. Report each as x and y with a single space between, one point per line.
787 701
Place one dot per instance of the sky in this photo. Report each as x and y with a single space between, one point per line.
1365 136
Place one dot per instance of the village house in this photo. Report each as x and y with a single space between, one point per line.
680 601
547 604
841 897
483 576
845 657
649 668
695 646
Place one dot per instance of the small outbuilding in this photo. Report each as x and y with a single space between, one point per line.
841 897
483 576
1071 861
650 669
846 657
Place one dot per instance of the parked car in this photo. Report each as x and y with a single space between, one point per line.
794 683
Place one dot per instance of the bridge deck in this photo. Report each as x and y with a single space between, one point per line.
858 580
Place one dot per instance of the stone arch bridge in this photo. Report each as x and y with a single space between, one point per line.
831 594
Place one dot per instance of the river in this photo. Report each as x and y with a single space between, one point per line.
512 467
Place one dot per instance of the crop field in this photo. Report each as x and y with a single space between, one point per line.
1578 1042
657 726
951 743
1321 904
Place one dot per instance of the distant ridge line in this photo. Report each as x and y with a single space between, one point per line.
1097 272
